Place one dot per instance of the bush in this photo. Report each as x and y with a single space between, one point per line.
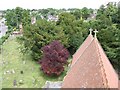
54 58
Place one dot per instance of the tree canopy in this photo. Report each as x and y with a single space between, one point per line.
70 29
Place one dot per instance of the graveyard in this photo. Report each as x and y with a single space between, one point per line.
20 71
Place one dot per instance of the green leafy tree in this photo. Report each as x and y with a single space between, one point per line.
40 34
26 18
17 16
73 28
86 12
11 18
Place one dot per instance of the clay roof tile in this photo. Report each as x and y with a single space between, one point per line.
81 49
92 69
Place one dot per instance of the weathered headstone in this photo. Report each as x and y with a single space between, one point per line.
20 81
24 62
14 83
34 80
8 72
4 73
13 71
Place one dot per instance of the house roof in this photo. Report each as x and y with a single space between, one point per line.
91 70
81 49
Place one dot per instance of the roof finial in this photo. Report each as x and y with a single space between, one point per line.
95 33
90 31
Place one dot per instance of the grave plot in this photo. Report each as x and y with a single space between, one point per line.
20 71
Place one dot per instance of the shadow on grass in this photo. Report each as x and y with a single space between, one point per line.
53 77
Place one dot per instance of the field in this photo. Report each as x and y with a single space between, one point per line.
20 71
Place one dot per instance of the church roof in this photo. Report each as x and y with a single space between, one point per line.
81 49
92 69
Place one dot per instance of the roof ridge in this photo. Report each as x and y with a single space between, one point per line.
82 44
86 38
101 64
82 53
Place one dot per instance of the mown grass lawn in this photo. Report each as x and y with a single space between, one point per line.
32 77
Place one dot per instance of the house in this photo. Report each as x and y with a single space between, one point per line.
92 15
41 16
1 14
33 20
21 27
20 30
90 67
52 18
3 27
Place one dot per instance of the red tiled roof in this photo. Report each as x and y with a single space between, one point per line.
119 85
110 74
91 70
84 45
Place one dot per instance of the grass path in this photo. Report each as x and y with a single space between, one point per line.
32 77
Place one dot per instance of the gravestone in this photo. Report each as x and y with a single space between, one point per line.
14 83
8 72
21 82
4 72
33 81
24 62
13 71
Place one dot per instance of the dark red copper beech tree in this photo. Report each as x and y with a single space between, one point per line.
55 56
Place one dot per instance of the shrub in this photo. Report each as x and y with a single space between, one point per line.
54 58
